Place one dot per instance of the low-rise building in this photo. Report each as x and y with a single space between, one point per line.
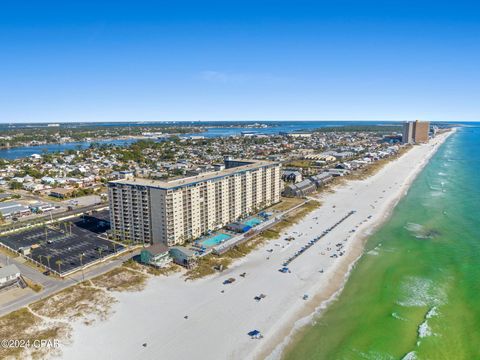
300 189
61 193
321 179
31 186
156 255
338 172
294 176
183 256
10 209
42 207
9 275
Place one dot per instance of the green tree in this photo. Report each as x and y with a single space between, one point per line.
59 264
15 185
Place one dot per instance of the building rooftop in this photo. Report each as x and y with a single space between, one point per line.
9 270
11 207
157 248
184 250
175 183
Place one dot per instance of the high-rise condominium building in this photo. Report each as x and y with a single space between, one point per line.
172 212
420 132
407 134
415 131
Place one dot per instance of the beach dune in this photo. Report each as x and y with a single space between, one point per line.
218 323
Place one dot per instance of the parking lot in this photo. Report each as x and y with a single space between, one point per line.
67 245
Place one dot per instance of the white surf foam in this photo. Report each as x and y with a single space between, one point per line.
396 316
374 355
424 330
410 356
417 291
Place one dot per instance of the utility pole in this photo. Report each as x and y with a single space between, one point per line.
81 264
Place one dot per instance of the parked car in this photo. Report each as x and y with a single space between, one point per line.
229 281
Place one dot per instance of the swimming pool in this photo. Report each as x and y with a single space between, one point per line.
253 222
215 240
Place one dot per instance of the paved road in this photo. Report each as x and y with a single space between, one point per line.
52 285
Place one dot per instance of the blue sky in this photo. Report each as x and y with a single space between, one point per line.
238 60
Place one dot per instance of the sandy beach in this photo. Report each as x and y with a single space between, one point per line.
218 323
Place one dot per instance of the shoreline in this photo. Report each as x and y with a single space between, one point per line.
342 275
219 316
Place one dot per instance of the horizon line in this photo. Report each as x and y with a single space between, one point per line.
203 121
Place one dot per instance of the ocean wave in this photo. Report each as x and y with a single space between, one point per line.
420 231
410 356
442 173
432 312
417 230
424 330
417 291
396 316
374 355
375 251
413 227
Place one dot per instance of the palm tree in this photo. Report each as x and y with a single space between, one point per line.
40 258
48 259
59 263
100 250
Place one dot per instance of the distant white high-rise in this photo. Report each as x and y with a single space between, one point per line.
407 135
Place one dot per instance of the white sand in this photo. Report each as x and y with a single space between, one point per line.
218 323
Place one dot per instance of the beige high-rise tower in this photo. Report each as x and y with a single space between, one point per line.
420 131
415 132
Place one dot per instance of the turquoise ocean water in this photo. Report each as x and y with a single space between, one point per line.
415 293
